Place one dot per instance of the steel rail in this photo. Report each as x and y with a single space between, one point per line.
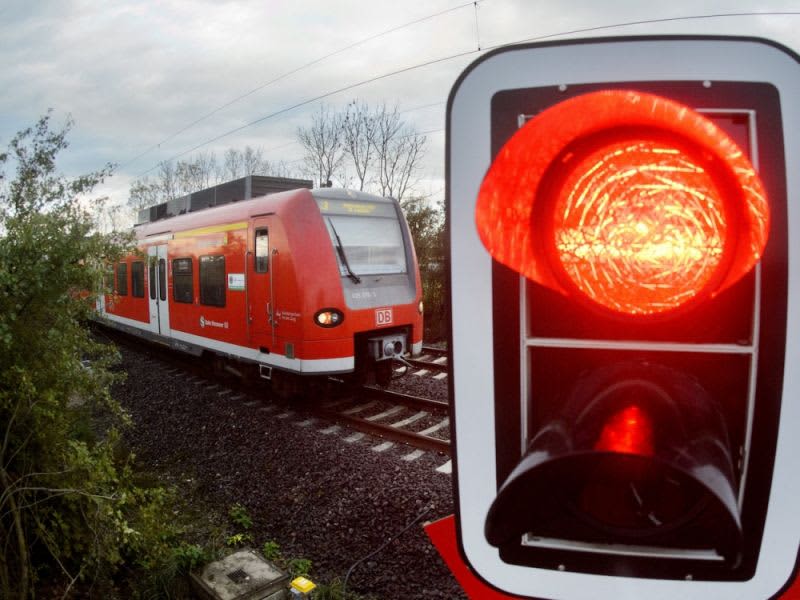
426 364
406 399
388 432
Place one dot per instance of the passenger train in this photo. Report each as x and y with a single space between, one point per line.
296 283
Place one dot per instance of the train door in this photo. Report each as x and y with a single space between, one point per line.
159 305
260 278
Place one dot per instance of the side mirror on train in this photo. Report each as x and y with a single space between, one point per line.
620 212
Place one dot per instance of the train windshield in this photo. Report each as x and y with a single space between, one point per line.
371 245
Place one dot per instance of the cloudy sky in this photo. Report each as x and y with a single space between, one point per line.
147 81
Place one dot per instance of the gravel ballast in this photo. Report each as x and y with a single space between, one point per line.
319 497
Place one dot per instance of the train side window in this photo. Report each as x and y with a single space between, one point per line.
182 284
108 279
152 279
212 280
262 250
162 279
137 279
122 279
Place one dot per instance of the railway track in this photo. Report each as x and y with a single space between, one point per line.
432 362
297 472
392 417
389 423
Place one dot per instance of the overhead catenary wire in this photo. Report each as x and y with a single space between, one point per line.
477 28
468 53
422 107
297 70
650 22
297 143
304 103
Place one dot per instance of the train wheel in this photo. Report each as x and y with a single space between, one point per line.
290 387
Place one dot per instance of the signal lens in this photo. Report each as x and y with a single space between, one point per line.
632 201
639 226
629 431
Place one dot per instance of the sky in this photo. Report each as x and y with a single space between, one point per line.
148 81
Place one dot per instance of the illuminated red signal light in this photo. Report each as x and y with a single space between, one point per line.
639 227
629 431
630 200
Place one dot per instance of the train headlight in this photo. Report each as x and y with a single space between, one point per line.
421 307
328 317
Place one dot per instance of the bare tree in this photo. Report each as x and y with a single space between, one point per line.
232 164
359 129
323 144
253 162
144 193
171 181
282 169
198 173
202 171
168 180
243 163
399 150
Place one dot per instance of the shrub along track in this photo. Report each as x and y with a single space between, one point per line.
321 497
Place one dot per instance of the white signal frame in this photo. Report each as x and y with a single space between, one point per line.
468 158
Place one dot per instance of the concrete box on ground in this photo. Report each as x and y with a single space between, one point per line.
243 575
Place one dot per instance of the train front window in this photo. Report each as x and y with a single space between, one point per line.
371 245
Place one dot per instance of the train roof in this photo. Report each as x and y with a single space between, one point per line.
244 188
344 194
246 209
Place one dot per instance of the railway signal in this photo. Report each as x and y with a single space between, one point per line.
620 214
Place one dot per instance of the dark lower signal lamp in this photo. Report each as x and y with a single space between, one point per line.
638 457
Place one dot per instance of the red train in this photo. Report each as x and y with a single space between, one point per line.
296 283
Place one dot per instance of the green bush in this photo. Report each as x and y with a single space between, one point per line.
299 567
426 223
238 539
272 551
70 511
239 516
189 557
168 578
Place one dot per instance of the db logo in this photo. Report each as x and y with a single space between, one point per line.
383 316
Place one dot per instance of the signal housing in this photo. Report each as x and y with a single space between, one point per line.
548 348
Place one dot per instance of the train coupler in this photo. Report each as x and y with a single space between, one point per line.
387 347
